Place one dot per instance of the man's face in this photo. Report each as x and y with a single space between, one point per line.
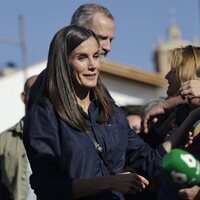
26 92
104 28
29 84
134 122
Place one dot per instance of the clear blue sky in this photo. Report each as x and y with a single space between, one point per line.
139 25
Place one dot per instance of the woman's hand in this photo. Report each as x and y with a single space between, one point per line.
126 183
129 183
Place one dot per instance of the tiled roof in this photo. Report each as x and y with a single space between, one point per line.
132 73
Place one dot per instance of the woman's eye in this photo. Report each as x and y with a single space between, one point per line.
81 57
96 56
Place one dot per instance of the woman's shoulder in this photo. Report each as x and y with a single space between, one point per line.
119 113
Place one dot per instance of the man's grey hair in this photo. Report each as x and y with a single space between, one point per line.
84 14
144 109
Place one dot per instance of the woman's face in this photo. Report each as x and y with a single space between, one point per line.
84 60
173 86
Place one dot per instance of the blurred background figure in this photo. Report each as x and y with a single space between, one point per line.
133 116
184 64
183 75
183 79
14 166
182 98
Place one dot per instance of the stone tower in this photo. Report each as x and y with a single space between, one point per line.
161 52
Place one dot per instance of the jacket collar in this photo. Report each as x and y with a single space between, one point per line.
17 129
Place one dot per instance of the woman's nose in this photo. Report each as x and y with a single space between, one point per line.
91 64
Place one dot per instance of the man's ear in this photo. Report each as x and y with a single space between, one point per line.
23 97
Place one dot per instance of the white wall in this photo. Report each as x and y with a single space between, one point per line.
11 86
129 92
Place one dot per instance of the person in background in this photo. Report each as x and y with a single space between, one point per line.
190 90
183 90
133 117
183 79
183 75
96 18
14 166
77 139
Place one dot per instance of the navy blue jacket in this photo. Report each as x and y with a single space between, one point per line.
58 153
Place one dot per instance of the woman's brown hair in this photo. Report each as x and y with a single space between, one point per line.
58 86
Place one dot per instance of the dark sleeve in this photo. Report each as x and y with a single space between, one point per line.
153 138
42 143
142 157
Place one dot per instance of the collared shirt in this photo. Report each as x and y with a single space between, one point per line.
58 153
14 163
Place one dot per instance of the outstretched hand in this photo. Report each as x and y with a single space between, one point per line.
152 116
